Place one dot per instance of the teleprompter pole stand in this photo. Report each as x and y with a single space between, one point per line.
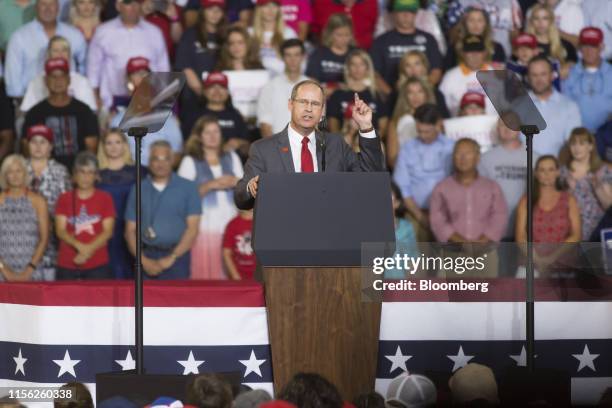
138 133
529 131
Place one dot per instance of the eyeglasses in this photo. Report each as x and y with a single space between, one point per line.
305 102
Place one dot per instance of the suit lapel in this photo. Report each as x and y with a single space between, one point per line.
284 150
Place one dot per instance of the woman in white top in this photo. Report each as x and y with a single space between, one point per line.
216 172
79 87
269 31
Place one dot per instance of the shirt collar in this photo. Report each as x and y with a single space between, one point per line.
552 98
435 142
296 138
171 180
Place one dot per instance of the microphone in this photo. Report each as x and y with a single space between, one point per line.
322 146
322 140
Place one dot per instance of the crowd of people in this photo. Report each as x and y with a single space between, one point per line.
69 68
473 385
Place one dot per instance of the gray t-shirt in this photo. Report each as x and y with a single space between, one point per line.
509 168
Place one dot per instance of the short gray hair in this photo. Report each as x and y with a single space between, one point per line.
300 84
8 162
160 143
85 160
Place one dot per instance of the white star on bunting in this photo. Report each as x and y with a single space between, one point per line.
128 363
398 360
586 359
252 365
20 363
66 365
521 359
460 359
191 364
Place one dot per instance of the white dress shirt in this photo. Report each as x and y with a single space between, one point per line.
295 142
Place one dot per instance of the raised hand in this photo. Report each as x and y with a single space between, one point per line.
362 114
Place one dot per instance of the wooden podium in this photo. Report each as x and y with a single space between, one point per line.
305 235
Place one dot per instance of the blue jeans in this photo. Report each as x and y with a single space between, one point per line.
179 270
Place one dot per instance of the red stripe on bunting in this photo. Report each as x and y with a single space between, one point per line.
121 293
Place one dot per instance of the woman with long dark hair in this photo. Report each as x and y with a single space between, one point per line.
239 51
197 54
474 21
556 216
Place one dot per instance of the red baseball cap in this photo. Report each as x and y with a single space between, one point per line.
53 64
216 78
472 97
40 130
264 2
590 36
525 40
211 3
137 64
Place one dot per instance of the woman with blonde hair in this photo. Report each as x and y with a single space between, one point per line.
269 32
359 78
117 175
413 92
326 63
541 23
216 172
239 51
79 86
474 21
24 223
587 178
414 63
85 15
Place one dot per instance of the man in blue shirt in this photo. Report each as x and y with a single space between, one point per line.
423 162
560 113
171 210
25 54
589 83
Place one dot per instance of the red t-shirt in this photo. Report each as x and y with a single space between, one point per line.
88 216
364 14
237 237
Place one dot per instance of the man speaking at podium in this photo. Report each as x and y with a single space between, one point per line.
300 147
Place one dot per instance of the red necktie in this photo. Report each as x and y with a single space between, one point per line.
307 165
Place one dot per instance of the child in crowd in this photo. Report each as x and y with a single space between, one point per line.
472 104
238 255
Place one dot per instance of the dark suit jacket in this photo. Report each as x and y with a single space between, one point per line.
273 155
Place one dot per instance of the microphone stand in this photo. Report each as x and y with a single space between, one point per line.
138 133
